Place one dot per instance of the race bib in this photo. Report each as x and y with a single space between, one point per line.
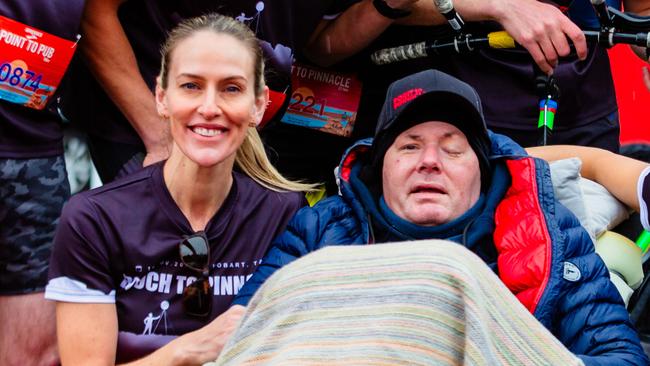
32 63
323 100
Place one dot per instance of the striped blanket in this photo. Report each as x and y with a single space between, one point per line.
421 303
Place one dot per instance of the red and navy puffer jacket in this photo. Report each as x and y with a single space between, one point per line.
543 255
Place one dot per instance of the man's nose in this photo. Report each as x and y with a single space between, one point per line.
210 104
429 160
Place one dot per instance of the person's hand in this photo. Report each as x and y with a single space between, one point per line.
542 29
159 146
155 155
646 77
205 344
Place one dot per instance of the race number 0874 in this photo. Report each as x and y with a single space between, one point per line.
15 76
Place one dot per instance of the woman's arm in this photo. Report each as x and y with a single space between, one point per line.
87 335
618 173
197 347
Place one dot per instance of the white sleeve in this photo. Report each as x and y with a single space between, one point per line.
69 290
644 185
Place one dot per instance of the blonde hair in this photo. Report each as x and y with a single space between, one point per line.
219 24
252 160
251 157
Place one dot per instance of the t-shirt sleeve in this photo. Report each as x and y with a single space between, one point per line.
80 267
337 7
643 191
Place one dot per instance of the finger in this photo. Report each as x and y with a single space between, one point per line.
539 58
237 309
549 52
234 314
560 43
577 37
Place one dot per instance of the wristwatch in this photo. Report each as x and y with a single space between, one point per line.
388 12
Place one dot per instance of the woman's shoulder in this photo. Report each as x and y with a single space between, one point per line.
251 191
128 189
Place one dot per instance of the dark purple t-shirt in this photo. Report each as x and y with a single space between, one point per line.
285 26
505 80
120 244
25 132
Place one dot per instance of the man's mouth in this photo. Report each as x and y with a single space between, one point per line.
428 189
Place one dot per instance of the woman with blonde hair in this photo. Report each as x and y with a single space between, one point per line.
144 269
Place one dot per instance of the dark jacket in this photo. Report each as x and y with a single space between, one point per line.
536 246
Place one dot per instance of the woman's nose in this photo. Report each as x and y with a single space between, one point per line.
210 105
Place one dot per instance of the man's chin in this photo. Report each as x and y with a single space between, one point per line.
428 217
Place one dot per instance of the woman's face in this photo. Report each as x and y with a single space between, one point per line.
210 97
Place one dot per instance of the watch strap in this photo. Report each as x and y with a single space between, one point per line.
388 12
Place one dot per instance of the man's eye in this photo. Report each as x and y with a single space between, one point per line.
409 147
453 152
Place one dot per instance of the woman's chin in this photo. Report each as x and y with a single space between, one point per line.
209 159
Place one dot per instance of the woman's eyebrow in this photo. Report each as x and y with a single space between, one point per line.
198 76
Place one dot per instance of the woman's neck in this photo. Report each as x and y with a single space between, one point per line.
198 191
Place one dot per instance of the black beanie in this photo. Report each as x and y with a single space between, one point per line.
430 95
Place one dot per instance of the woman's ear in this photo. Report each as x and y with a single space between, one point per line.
261 101
161 103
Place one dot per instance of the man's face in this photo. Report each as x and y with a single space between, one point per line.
431 174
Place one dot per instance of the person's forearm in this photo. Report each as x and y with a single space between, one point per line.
425 12
110 58
355 28
197 347
360 24
617 173
172 354
350 32
164 356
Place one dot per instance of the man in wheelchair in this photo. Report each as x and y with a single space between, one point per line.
433 171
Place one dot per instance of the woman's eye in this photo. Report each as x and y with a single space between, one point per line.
189 86
233 89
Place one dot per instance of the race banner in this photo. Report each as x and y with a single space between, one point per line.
32 63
